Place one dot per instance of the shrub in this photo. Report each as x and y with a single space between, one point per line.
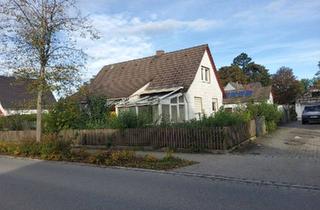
55 149
30 148
118 157
69 113
221 118
125 119
269 111
18 122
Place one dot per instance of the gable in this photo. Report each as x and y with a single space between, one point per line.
169 70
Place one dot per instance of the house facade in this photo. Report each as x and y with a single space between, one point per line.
239 95
175 86
310 98
17 98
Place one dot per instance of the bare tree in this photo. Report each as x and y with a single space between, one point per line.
38 40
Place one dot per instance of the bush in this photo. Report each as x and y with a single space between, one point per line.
48 149
221 118
70 114
55 149
269 111
18 122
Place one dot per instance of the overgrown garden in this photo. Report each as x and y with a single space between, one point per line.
69 114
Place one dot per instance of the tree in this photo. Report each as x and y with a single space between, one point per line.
258 73
253 72
317 78
231 74
306 84
242 60
285 86
39 41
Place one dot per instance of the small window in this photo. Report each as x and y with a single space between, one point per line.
174 100
181 99
205 74
214 106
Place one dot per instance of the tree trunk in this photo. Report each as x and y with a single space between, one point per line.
39 104
39 116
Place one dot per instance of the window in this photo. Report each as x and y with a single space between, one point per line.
165 112
198 105
145 113
205 74
174 113
182 115
214 104
181 99
155 113
173 100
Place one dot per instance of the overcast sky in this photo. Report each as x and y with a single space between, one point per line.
274 33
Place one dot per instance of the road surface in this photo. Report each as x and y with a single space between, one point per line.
41 185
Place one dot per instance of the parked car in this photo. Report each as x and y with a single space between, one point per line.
311 114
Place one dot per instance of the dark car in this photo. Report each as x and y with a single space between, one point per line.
311 114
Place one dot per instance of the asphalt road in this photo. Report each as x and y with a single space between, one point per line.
28 184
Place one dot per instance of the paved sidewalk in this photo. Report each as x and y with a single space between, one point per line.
290 155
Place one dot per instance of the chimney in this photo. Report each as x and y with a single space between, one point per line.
159 52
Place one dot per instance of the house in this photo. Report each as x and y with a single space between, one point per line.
239 95
311 97
16 97
233 86
174 86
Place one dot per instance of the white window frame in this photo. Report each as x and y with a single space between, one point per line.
201 106
205 74
214 105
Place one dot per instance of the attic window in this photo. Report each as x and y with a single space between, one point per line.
205 74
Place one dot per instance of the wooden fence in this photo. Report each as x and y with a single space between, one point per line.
186 138
210 138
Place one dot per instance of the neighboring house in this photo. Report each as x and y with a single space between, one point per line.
16 98
175 86
233 86
239 95
311 97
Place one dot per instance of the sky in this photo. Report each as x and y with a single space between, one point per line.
273 33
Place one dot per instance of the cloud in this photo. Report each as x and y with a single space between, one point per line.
133 25
278 11
124 37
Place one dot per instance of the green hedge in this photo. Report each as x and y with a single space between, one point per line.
18 122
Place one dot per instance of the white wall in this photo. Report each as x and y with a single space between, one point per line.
31 111
207 91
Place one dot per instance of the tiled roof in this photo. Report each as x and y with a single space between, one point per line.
15 94
168 70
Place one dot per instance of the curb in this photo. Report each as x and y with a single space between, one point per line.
213 177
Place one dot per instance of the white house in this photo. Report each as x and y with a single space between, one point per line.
311 97
239 95
176 86
17 98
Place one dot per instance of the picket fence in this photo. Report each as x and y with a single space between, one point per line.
206 138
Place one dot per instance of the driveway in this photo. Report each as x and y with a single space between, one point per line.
291 155
293 140
41 185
